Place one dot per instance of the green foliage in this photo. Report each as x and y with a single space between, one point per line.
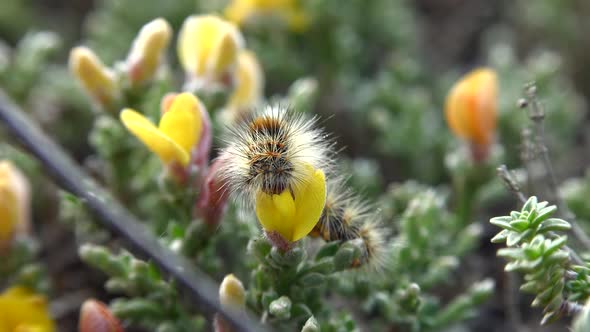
154 302
522 226
536 250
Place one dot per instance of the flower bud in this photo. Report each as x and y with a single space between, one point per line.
15 203
281 307
148 50
232 294
471 110
212 201
311 325
95 316
98 80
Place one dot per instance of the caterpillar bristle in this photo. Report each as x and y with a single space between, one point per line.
269 150
347 217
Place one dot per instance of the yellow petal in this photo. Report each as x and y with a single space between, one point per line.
310 202
276 213
224 53
294 218
249 83
207 45
153 138
182 122
22 310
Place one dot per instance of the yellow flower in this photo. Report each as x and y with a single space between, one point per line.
208 46
21 310
178 132
293 214
147 50
98 80
14 202
471 107
249 83
289 11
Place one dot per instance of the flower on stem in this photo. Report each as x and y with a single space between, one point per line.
470 110
276 162
178 134
148 50
208 48
249 85
14 203
95 316
97 79
288 11
23 310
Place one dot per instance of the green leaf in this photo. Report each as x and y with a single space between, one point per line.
554 224
530 204
503 222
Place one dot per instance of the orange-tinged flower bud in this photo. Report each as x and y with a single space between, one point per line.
471 107
14 202
95 316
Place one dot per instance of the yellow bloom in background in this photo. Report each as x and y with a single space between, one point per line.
147 50
208 46
14 202
289 11
249 83
471 107
178 132
21 310
294 214
98 80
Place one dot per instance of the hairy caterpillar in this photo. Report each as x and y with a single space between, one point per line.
270 150
347 217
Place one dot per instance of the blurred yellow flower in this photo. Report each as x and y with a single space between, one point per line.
98 80
208 46
294 213
471 107
148 50
249 83
14 202
21 310
178 132
289 11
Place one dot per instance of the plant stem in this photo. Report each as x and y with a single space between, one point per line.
537 115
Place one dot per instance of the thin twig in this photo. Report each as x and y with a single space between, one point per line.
537 116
